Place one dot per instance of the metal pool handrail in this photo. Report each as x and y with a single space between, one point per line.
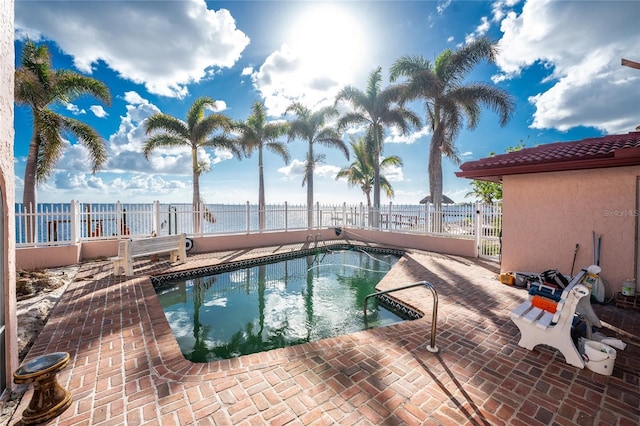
434 316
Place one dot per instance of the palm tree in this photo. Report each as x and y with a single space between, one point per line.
361 171
310 126
256 133
38 86
376 108
195 133
448 101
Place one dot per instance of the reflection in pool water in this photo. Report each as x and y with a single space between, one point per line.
274 305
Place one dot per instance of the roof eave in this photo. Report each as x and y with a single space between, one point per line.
495 174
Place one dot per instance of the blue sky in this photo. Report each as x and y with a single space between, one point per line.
559 59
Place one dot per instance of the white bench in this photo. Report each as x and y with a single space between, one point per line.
128 250
538 326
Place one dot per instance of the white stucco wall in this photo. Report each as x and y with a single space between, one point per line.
7 59
547 214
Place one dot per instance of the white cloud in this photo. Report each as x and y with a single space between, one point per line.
134 98
247 71
126 144
143 183
326 170
78 181
575 44
98 111
393 173
396 136
218 106
74 109
480 30
136 38
442 6
131 134
501 7
313 64
295 169
221 154
74 158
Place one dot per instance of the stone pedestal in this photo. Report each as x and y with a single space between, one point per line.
49 399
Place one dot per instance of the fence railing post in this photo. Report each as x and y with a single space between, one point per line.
248 216
478 229
344 214
286 216
155 224
119 227
74 224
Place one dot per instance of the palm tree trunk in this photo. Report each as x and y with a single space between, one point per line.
261 201
435 177
197 226
30 183
310 167
376 181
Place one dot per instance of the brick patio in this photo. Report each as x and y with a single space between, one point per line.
127 368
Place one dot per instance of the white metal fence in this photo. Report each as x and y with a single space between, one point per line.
70 223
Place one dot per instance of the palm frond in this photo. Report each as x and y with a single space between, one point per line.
408 66
168 124
163 140
280 149
392 160
47 125
208 125
331 138
463 60
89 138
386 186
69 85
353 95
196 111
224 142
275 130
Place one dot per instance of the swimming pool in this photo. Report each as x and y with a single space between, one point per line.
264 306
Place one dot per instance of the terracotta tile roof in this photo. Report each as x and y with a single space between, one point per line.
607 151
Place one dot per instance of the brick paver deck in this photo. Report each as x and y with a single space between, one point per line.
126 367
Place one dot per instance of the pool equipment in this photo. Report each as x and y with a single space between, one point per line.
575 253
594 283
599 357
431 347
629 287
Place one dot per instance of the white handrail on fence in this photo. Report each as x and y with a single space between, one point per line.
71 223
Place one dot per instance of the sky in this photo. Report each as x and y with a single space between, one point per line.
561 61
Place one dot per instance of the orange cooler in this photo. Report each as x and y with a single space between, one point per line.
544 303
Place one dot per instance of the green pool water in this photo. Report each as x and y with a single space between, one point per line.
274 305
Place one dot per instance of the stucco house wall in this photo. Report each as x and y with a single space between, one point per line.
7 231
546 214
